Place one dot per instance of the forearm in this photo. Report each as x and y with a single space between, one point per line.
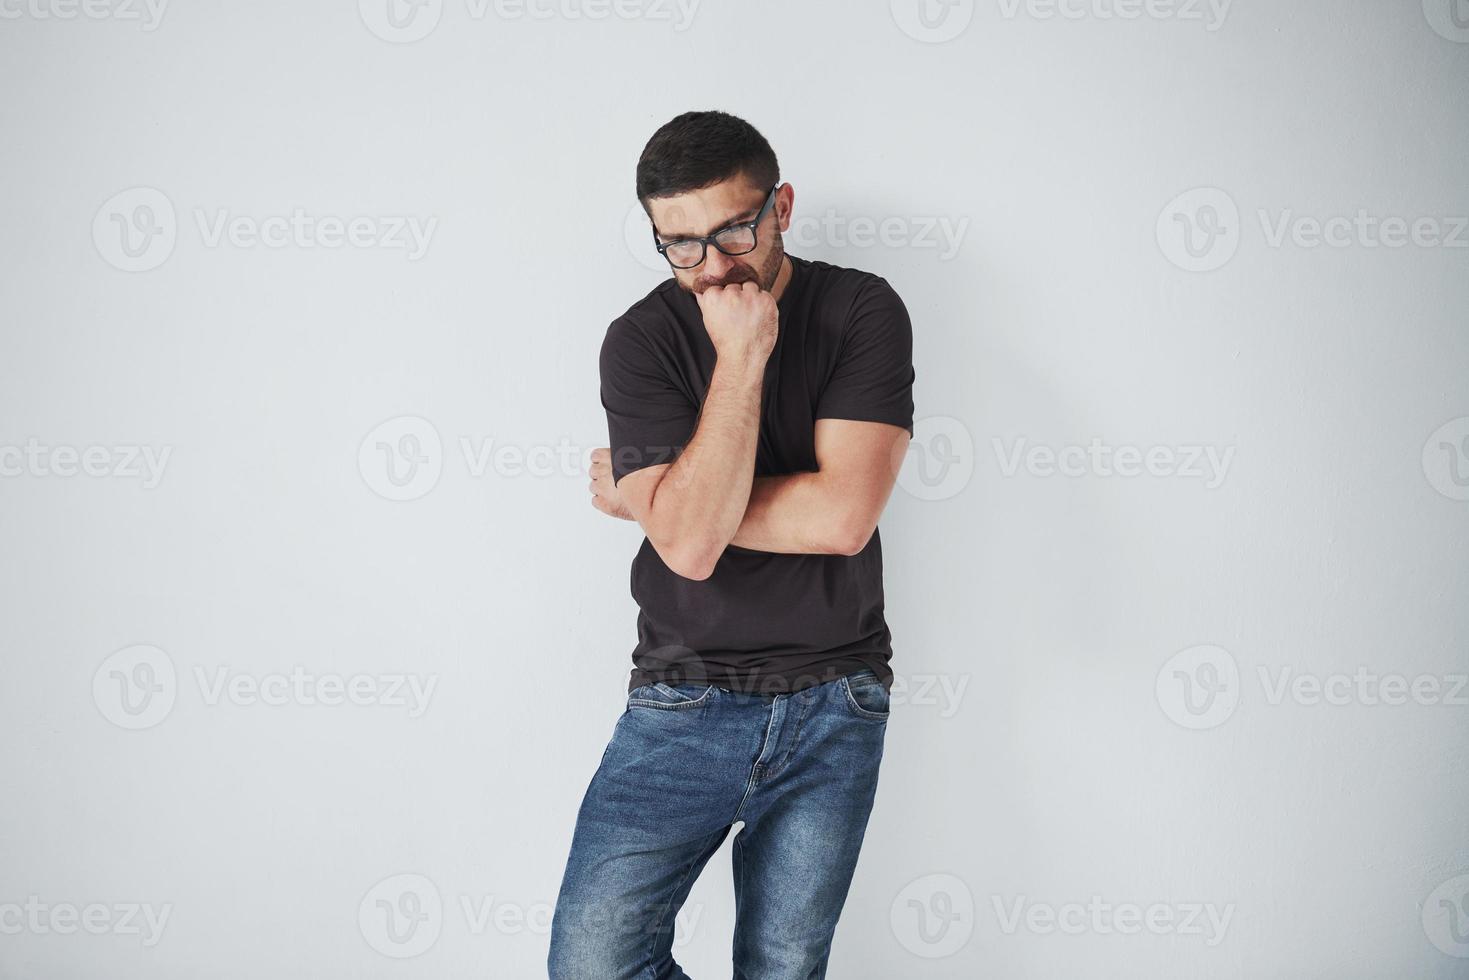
799 514
699 503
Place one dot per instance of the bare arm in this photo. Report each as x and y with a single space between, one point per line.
690 509
835 510
830 512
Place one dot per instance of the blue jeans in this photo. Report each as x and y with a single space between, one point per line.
684 764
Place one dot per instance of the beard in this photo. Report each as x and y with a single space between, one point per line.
764 276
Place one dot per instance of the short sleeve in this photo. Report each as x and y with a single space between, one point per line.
873 377
649 418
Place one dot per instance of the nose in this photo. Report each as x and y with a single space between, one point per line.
716 263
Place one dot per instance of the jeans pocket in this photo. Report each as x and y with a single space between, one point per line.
865 696
670 697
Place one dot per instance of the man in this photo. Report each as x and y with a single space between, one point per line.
758 407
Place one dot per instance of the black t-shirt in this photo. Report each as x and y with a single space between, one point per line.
761 622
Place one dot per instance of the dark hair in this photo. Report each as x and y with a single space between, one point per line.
698 149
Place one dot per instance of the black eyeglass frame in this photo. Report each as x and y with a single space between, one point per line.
708 240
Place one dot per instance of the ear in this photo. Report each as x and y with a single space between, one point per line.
785 200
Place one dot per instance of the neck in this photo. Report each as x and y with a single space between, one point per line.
784 278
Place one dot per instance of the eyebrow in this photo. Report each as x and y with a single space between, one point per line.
746 215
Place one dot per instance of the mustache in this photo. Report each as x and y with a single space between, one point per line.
735 276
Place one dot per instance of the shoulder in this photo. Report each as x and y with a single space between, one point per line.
846 291
646 321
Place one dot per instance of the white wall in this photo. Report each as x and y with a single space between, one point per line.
1062 308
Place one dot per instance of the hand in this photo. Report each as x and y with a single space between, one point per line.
605 495
741 319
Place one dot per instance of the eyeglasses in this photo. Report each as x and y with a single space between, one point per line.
685 253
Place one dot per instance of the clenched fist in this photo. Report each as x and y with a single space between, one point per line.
605 495
742 320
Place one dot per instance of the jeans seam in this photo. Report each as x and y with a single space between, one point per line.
795 738
669 904
673 705
860 711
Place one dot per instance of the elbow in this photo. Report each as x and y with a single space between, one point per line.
694 560
850 536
